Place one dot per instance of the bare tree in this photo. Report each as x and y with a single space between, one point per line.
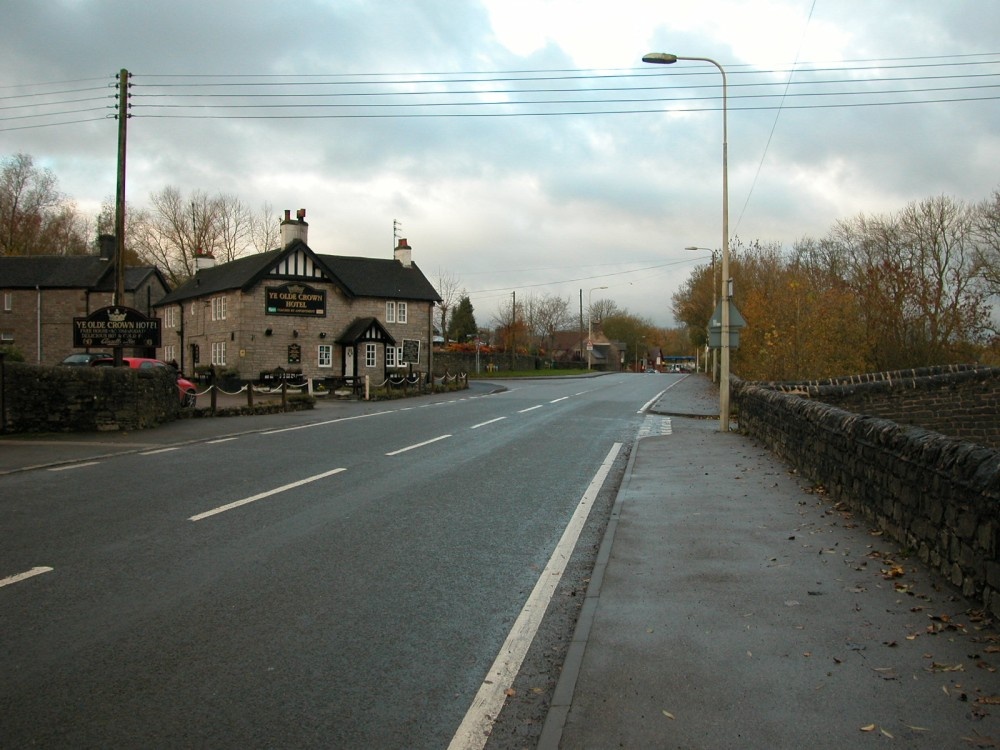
450 291
987 228
35 218
265 229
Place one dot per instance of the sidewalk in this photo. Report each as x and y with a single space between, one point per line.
731 607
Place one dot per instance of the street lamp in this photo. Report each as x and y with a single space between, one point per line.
664 58
590 324
715 299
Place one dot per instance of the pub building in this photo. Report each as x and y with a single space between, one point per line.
295 311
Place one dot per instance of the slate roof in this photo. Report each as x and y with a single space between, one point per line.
66 272
357 277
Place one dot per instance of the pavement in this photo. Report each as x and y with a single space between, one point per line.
733 604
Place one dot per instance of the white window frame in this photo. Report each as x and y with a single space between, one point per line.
219 353
170 317
169 352
324 355
219 308
390 312
400 312
8 301
393 355
371 356
6 337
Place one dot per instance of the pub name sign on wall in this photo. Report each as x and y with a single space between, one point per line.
115 326
295 299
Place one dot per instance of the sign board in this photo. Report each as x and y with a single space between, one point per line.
294 354
116 326
736 322
295 299
411 350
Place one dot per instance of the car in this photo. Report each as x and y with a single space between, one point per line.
83 359
650 370
186 388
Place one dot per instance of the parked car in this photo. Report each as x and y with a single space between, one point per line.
83 359
185 387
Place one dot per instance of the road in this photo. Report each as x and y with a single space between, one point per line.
347 581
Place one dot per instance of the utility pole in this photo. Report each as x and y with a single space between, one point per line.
513 323
123 115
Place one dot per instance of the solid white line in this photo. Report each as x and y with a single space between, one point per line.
483 424
530 408
262 495
651 401
478 722
74 466
417 445
159 450
556 401
23 576
221 440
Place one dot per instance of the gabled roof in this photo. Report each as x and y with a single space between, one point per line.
67 272
366 329
357 277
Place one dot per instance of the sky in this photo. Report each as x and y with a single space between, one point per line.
522 147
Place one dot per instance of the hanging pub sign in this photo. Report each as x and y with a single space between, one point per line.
295 299
116 326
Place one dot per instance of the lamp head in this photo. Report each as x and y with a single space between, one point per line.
660 58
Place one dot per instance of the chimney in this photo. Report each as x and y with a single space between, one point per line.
203 260
107 246
402 253
294 229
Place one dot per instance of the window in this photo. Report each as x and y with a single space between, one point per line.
400 312
218 308
391 359
390 312
6 337
371 355
169 352
219 352
325 356
8 301
170 317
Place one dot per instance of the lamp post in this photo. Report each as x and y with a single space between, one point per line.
664 58
590 324
715 299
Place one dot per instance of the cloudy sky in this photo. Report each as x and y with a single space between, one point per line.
521 145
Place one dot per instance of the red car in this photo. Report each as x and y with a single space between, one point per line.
184 386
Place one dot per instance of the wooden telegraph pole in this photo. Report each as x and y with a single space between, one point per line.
123 115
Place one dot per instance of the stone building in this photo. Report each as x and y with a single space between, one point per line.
309 314
41 294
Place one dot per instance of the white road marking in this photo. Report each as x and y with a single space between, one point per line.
530 408
329 421
556 401
478 722
651 401
262 495
160 450
417 445
221 440
74 466
483 424
23 576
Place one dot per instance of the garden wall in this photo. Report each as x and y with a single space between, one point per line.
80 399
934 494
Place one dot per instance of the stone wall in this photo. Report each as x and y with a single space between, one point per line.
960 401
81 399
934 494
455 362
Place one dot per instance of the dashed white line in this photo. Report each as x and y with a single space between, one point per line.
262 495
160 450
483 424
417 445
530 408
556 401
24 576
221 440
74 466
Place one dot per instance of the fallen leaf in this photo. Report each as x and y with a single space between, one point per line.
669 715
989 700
937 667
887 734
510 692
868 728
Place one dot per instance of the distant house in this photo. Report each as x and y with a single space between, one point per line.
571 347
303 312
41 294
